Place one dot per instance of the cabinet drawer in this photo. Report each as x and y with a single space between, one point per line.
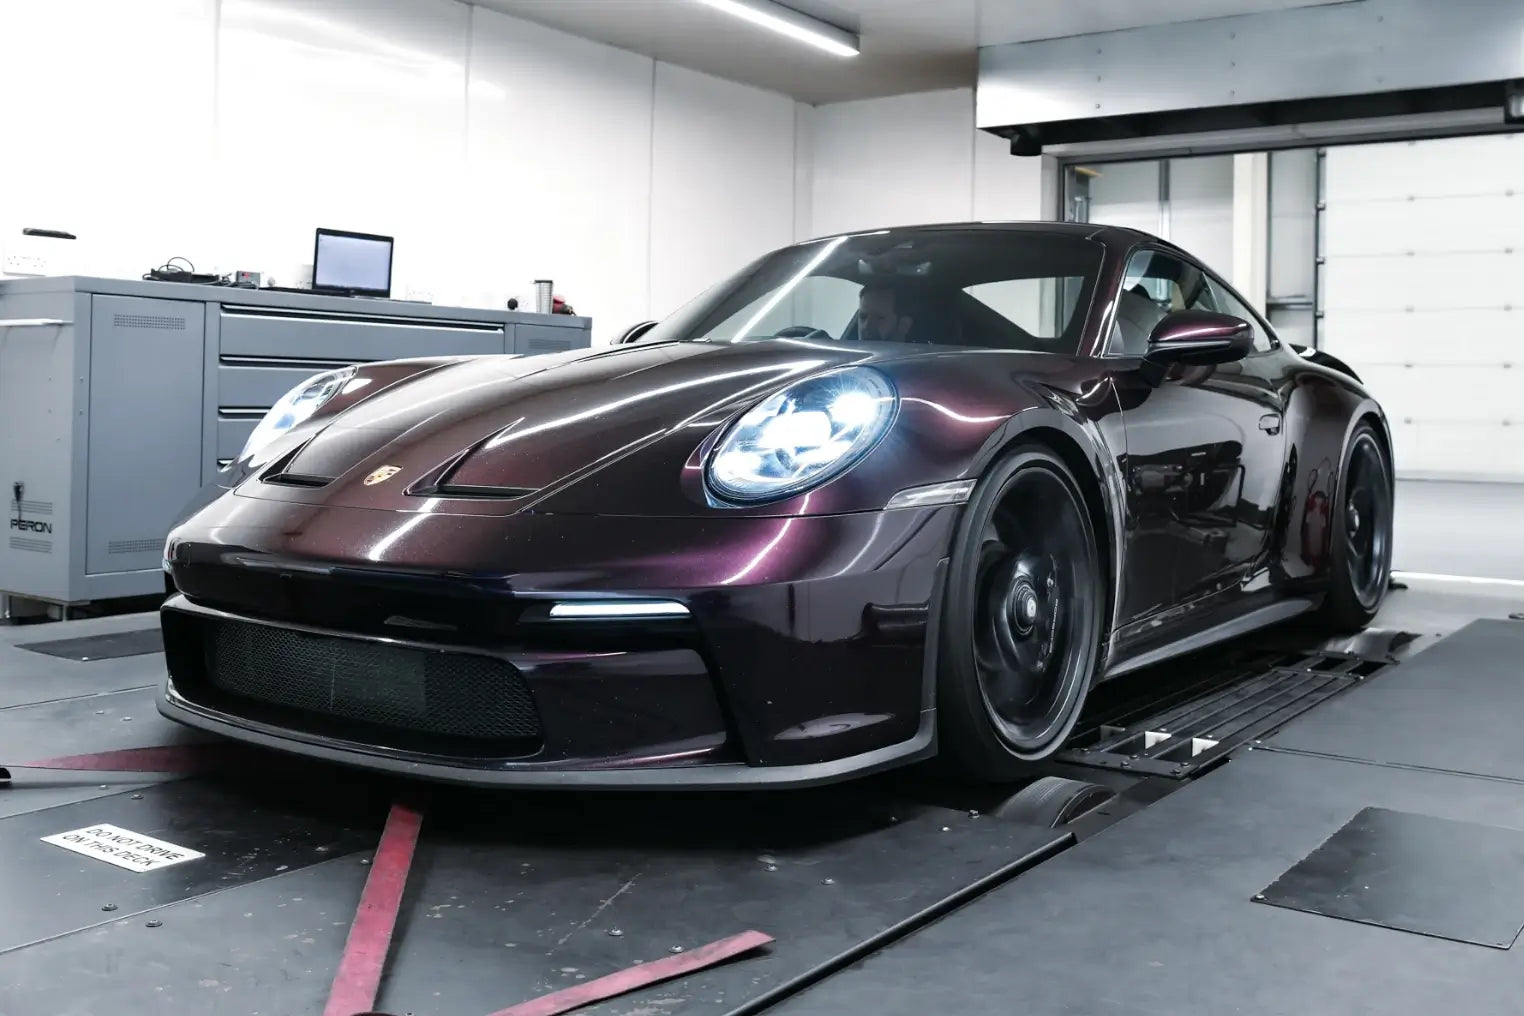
258 387
232 432
350 338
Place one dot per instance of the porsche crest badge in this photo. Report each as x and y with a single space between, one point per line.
384 473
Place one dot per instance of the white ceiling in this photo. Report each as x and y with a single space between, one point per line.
907 45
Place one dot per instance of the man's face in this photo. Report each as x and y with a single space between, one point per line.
878 320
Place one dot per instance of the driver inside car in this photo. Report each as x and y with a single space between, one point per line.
881 315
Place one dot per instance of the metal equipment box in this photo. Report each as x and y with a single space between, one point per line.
119 399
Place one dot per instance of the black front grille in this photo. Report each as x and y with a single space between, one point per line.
430 694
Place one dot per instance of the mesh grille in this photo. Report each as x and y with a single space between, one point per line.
133 546
427 692
148 321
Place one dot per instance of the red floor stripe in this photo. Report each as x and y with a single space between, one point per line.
164 759
358 980
624 981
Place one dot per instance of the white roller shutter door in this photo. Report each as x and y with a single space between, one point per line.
1423 294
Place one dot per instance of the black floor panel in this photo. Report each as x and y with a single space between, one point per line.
270 947
95 723
1454 706
1417 873
1156 915
245 838
525 915
28 678
52 790
510 897
110 646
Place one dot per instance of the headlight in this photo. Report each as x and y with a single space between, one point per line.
803 435
296 406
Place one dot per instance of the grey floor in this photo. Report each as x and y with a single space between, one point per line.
1470 529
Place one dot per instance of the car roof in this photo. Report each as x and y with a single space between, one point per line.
1109 235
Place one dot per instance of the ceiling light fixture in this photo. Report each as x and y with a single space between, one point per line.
789 22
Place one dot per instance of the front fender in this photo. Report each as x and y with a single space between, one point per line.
1071 424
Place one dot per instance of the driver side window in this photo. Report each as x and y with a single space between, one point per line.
1154 285
1228 304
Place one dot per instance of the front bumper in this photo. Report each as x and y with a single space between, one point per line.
804 657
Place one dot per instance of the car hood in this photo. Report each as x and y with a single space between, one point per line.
513 430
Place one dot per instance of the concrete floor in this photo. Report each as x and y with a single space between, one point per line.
1471 529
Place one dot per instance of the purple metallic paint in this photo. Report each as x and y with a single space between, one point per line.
809 637
776 602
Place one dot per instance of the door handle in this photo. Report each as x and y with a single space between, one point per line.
1270 423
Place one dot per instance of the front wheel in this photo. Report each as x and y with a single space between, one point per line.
1023 619
1360 552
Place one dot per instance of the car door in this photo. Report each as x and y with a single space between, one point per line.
1205 445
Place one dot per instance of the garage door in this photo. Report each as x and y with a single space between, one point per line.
1423 294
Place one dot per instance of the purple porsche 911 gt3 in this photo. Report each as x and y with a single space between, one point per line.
874 497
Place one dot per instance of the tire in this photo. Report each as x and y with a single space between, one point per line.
1053 801
1360 535
1022 620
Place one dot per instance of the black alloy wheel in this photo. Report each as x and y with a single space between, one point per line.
1361 552
1023 620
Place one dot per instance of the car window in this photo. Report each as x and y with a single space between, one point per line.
820 301
1155 284
1043 307
974 287
1230 304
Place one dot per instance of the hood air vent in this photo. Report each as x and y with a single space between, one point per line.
478 491
298 480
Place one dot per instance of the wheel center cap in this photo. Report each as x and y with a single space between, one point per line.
1354 520
1024 608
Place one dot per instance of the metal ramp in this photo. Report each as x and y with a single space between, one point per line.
1177 721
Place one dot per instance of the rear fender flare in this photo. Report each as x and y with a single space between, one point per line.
1365 408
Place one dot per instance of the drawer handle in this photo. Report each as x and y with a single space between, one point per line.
32 322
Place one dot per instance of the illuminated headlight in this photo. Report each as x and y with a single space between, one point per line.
296 406
803 435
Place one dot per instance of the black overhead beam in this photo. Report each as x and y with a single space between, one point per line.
1032 139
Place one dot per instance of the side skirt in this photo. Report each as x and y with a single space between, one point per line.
1261 617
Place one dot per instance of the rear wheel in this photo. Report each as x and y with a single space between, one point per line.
1023 619
1360 548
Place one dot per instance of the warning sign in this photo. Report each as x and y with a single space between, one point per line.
122 847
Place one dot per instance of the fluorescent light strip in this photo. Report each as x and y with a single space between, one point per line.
785 21
609 609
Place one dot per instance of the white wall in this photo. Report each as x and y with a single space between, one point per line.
496 151
916 158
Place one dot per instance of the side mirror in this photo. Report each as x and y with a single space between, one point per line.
635 332
1200 337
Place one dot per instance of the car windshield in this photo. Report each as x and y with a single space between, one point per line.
970 287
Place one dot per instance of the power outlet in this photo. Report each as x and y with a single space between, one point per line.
25 264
